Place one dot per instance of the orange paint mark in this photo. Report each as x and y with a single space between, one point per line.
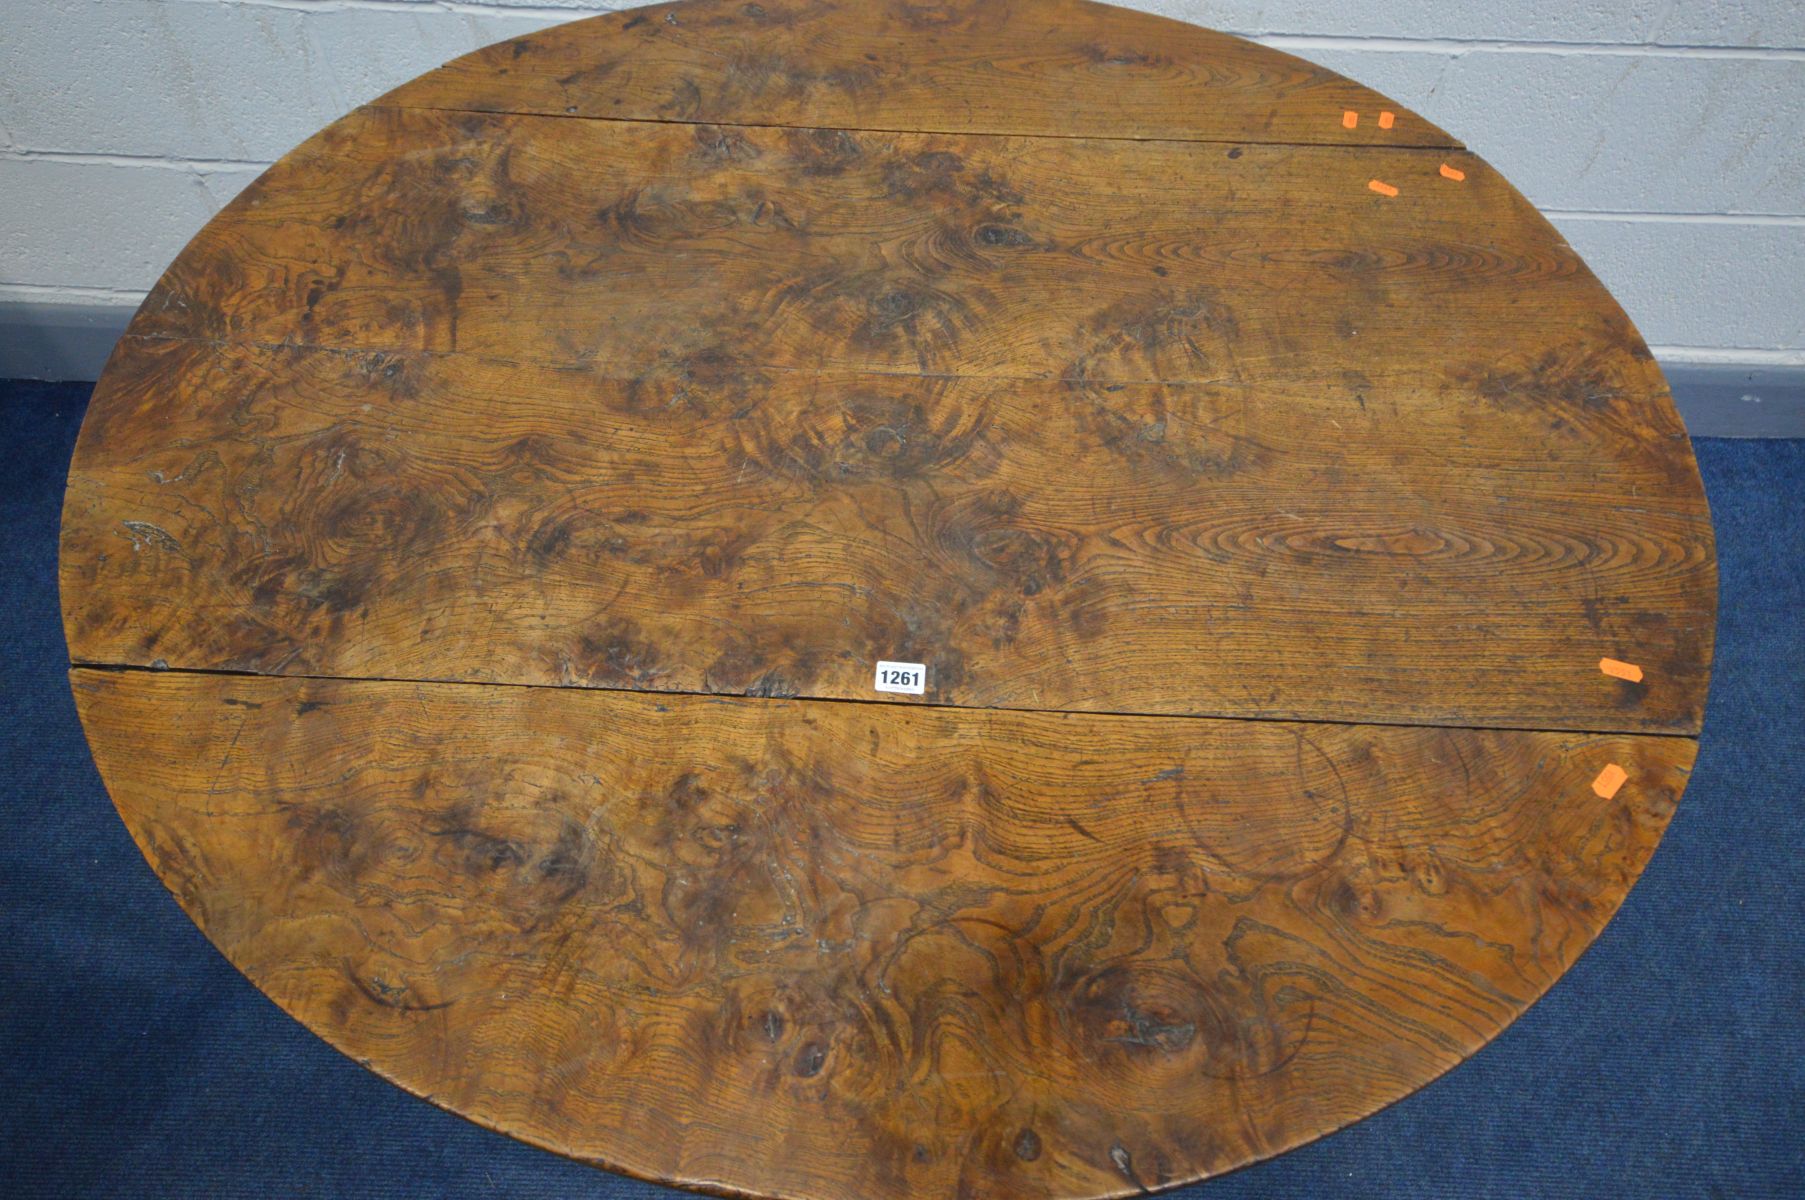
1349 119
1387 120
1448 172
1384 189
1609 780
1620 670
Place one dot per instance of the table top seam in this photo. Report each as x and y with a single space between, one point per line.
77 664
1451 145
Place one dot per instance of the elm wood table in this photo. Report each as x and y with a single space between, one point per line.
479 551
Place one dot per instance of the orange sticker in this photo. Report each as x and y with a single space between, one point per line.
1384 189
1349 118
1609 780
1386 120
1448 172
1620 670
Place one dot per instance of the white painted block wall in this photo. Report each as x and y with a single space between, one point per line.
1665 138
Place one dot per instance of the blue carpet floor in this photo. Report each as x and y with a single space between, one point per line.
135 1062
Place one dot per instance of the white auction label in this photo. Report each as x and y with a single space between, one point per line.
902 677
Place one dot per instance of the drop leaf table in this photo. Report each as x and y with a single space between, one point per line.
829 599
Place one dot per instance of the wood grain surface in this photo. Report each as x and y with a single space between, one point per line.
477 553
1318 553
1057 68
829 949
663 248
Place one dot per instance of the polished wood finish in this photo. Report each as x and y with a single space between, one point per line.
1052 68
647 247
1322 553
474 550
805 948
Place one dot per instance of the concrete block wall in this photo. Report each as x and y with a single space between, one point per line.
1665 139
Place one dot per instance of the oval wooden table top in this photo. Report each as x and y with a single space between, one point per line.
480 549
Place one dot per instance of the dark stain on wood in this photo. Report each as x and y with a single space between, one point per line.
706 526
1072 959
1058 68
1056 348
